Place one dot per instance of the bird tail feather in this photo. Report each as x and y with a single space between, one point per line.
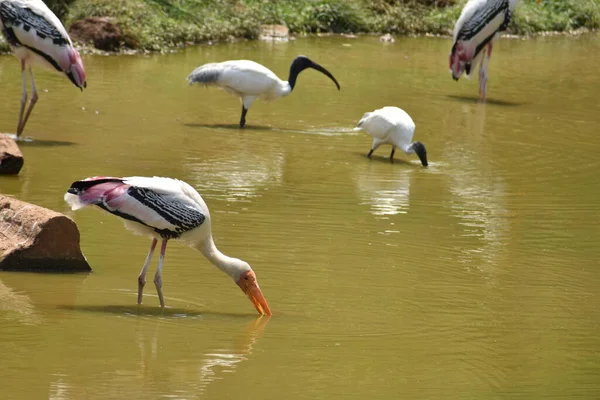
94 191
359 126
205 74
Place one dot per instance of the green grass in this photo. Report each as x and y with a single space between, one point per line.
556 15
155 25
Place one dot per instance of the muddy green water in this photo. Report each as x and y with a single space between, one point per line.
475 278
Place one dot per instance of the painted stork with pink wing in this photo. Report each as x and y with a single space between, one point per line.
37 37
474 33
164 209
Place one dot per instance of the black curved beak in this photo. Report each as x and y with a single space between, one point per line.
420 150
423 158
301 63
325 72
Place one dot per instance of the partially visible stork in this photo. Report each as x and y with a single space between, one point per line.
474 33
37 37
250 80
164 208
392 125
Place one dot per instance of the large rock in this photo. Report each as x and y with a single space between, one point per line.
34 238
11 158
103 32
274 32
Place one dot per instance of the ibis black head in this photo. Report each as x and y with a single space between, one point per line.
300 63
419 148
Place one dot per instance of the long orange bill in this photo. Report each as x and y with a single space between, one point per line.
258 300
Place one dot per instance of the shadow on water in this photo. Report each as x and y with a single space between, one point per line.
229 126
386 159
475 100
175 312
44 143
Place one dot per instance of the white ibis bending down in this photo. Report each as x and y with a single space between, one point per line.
164 208
474 33
250 80
392 125
36 36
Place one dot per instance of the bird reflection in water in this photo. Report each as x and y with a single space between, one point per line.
216 364
388 193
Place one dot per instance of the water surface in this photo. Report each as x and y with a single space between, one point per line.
474 278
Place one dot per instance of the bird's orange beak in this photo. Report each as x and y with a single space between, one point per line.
249 286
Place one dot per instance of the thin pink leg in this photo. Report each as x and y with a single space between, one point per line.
23 97
34 99
483 74
158 276
142 276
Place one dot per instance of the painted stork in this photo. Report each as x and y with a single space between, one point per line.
250 80
392 125
36 37
164 208
474 33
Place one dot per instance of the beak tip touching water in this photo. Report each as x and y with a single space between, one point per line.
247 282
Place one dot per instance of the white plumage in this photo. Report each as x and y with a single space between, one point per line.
392 125
37 37
250 80
244 78
474 34
164 209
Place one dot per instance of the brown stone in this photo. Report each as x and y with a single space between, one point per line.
34 238
103 32
274 32
11 158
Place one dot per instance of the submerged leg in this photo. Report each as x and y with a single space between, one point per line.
23 97
370 153
243 118
392 155
158 276
32 101
142 276
483 67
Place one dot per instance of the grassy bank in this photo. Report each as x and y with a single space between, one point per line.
161 24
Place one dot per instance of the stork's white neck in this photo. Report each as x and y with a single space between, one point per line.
407 148
233 267
284 88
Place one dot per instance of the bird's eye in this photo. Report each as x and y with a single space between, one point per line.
246 278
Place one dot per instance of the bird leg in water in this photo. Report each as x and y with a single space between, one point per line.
392 155
142 276
158 276
483 66
23 97
370 152
243 118
32 101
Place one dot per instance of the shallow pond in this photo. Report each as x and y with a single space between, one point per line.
474 278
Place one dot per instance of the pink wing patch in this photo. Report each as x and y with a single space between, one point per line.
110 193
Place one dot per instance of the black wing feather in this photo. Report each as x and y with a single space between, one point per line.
13 15
184 217
483 17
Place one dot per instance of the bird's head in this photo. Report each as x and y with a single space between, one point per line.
76 72
456 61
419 149
249 285
301 63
